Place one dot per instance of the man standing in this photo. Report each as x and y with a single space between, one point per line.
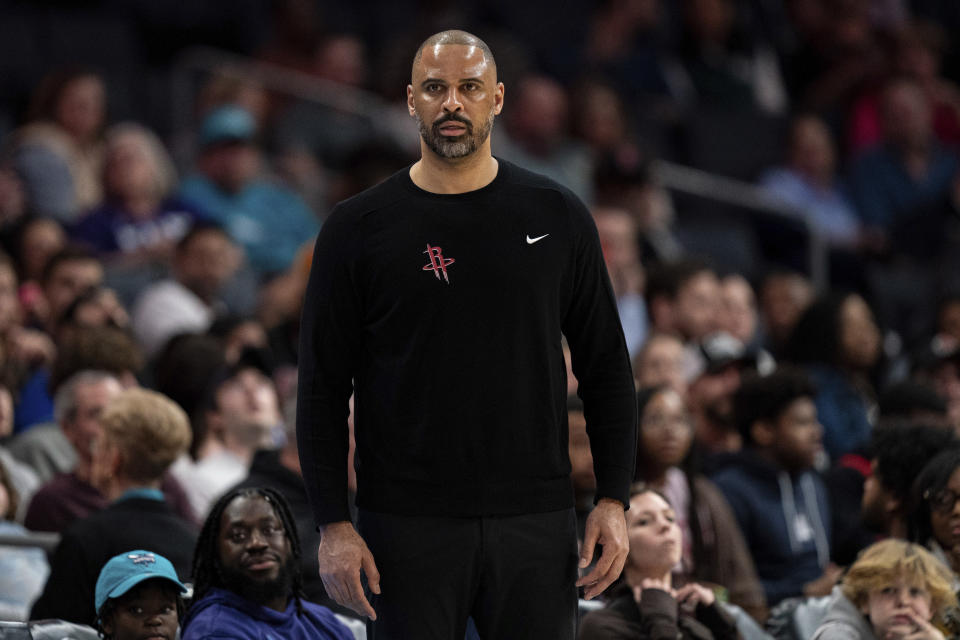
451 283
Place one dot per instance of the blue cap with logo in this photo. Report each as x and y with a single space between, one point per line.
228 123
125 571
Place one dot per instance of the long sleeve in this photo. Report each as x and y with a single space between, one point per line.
601 365
329 339
658 611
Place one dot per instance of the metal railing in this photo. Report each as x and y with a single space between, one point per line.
674 177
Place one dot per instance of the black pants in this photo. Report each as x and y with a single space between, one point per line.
515 575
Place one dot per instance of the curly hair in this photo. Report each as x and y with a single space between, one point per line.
149 428
207 567
880 564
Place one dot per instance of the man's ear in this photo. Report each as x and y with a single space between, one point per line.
411 109
763 433
498 99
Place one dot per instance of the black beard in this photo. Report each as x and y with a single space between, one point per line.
458 147
259 591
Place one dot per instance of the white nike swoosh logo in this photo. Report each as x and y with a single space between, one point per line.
537 239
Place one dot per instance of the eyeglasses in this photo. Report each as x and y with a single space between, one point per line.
943 501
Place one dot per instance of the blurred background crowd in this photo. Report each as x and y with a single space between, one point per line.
775 183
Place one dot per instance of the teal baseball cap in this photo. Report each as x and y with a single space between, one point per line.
125 571
229 123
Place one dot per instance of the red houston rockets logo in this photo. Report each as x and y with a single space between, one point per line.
438 264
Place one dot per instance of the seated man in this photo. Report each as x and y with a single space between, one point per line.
247 581
778 499
143 432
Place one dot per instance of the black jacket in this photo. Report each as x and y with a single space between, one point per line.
87 544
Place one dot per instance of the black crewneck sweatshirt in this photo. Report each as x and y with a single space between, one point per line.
444 314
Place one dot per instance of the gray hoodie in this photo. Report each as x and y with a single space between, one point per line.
843 621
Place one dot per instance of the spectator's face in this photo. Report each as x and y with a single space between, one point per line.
738 309
9 302
41 240
665 430
206 264
540 114
654 535
859 335
889 609
798 435
146 612
102 310
785 298
600 121
945 521
69 280
454 96
343 60
696 306
661 363
81 107
906 116
83 428
251 397
232 165
255 554
618 239
130 170
811 149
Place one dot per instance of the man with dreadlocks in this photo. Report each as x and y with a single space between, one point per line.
246 571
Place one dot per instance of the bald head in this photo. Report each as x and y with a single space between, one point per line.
455 36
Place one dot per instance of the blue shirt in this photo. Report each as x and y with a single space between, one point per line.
225 615
270 222
110 229
827 210
885 194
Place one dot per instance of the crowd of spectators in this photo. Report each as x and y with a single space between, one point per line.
785 424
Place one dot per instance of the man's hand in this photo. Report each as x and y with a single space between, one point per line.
607 526
342 554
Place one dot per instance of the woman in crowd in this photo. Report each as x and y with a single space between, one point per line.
936 513
645 604
59 154
136 228
714 550
837 341
895 590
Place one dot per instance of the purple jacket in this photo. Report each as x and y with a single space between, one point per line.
224 615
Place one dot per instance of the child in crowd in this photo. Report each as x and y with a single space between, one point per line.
895 590
139 596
